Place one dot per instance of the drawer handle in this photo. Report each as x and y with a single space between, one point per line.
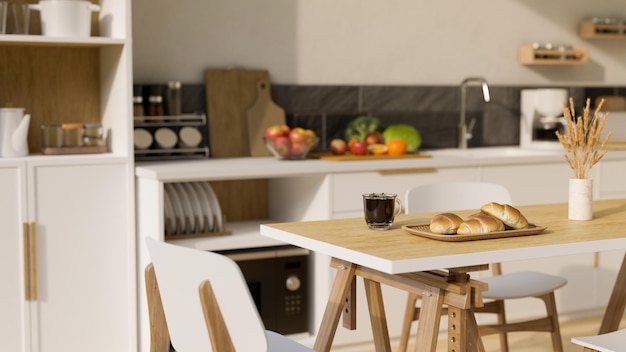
419 170
26 261
33 261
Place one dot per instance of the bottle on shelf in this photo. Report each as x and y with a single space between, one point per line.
155 102
174 98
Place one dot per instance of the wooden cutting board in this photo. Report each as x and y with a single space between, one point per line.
351 157
229 95
263 114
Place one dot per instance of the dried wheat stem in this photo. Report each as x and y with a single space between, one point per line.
582 136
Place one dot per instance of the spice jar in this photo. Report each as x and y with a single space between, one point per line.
155 105
92 135
72 134
138 106
173 98
155 102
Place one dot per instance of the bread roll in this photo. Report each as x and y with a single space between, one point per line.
509 215
480 223
445 223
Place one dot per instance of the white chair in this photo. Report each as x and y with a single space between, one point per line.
207 304
610 342
449 196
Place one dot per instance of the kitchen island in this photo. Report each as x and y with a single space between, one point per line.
319 190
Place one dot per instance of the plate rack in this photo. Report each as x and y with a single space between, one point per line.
146 141
184 230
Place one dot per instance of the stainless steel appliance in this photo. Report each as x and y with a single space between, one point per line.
279 283
542 116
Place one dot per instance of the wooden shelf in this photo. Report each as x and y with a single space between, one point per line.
40 40
531 56
590 30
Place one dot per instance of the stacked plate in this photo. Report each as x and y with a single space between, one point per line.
191 208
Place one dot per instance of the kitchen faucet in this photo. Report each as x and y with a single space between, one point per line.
464 135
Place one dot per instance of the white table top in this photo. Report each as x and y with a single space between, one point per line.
397 251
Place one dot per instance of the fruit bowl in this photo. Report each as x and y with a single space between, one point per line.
284 149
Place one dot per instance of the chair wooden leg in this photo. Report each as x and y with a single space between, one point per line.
159 333
550 301
409 314
504 341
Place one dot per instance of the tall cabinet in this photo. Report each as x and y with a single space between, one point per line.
67 245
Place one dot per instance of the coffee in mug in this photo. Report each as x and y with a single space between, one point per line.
380 209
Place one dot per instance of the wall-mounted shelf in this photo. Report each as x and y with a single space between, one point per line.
591 30
528 55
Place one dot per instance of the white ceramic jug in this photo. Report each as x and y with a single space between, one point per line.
13 132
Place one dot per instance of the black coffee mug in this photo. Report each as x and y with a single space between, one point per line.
380 209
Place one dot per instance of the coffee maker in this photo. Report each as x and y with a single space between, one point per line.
542 117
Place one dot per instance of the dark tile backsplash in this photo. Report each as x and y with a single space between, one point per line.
433 110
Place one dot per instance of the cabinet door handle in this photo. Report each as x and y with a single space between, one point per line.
33 261
419 170
26 261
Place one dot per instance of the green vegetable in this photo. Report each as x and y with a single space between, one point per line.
407 133
361 126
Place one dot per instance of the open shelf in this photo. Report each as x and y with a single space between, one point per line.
591 30
531 56
41 40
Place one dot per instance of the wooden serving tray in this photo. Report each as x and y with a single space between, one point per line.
73 150
351 157
424 231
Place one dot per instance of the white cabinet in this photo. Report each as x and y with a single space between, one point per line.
347 188
71 288
79 209
536 183
14 333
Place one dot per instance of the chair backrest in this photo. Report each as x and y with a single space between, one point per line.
179 273
444 196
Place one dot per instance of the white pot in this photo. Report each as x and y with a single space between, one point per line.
65 18
580 199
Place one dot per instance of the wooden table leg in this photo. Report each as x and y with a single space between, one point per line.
377 315
330 320
615 309
463 331
430 318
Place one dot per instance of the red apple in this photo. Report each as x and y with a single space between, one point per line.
282 146
297 135
311 137
299 149
338 146
374 138
273 132
358 148
285 129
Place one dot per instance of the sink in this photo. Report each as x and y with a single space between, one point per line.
493 152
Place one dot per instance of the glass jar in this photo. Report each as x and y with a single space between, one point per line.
72 134
174 98
155 105
92 135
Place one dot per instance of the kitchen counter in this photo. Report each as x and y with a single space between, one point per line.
269 167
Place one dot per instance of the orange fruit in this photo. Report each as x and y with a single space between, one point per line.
396 147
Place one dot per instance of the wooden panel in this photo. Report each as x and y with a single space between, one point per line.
242 199
55 85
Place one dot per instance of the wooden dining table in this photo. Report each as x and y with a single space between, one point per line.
439 271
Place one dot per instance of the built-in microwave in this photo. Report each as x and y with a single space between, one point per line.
279 284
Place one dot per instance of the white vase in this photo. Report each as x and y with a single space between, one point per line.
580 199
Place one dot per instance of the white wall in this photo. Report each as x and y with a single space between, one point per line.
394 42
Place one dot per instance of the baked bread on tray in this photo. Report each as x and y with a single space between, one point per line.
445 224
492 217
509 215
